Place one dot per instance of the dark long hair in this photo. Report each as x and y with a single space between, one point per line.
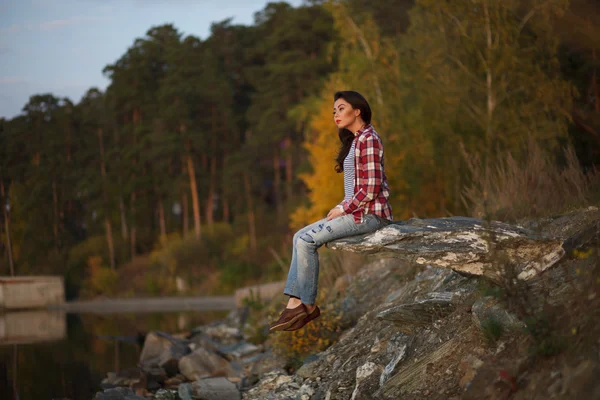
358 102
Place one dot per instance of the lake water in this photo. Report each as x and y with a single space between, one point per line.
48 355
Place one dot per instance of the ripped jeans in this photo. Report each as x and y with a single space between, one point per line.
303 275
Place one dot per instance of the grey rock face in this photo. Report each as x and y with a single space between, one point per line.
408 316
462 244
366 380
215 389
390 368
275 385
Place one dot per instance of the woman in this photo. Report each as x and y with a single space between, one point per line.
365 207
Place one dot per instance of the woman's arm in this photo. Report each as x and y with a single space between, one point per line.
369 174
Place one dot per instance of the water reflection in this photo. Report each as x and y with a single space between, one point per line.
32 326
46 355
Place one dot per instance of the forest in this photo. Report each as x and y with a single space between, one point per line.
202 157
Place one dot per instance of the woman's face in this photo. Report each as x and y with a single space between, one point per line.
343 113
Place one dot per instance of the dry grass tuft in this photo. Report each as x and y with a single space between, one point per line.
537 187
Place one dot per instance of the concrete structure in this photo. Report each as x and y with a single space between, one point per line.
22 292
265 291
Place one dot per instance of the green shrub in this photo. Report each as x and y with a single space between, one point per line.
102 280
546 338
492 329
236 273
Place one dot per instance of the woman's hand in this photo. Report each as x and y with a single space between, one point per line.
335 212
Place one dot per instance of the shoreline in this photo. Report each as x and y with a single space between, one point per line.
147 305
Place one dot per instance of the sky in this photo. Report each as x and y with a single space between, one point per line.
61 46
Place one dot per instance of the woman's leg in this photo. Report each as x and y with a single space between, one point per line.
311 239
291 287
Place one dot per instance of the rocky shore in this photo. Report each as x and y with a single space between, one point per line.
412 330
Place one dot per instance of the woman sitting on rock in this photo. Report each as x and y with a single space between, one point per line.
365 207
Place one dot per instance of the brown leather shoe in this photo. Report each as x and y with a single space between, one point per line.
288 317
300 323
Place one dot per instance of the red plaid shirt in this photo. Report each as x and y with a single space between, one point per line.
371 190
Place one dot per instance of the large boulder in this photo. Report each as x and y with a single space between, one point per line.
474 247
164 351
215 389
203 363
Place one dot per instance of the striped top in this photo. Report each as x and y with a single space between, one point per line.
349 173
371 190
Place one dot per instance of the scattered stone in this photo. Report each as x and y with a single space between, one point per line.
215 389
186 392
163 350
238 350
306 392
203 364
262 363
366 380
176 380
223 333
154 374
275 385
120 393
308 370
164 394
237 317
376 345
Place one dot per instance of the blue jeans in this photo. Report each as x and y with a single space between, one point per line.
303 275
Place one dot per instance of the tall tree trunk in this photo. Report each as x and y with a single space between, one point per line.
211 191
225 210
250 202
595 83
7 230
277 182
123 215
161 218
194 189
107 224
137 118
213 170
109 241
56 217
184 206
225 193
133 228
123 218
